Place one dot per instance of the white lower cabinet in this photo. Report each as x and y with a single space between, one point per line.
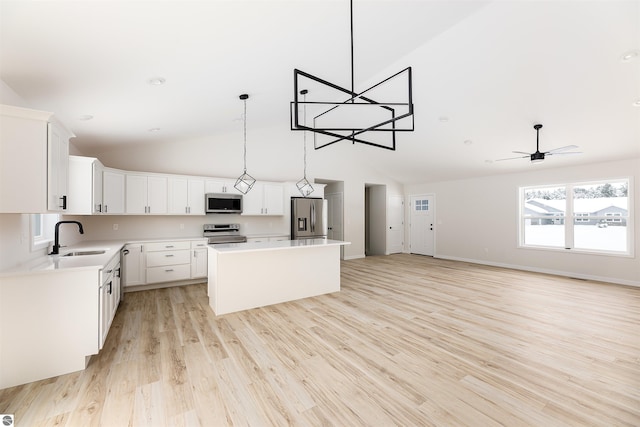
109 297
134 265
199 259
165 261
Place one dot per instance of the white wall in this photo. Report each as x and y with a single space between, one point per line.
476 220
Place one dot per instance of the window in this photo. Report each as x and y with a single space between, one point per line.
593 217
422 205
42 230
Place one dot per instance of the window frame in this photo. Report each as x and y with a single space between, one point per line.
47 224
571 218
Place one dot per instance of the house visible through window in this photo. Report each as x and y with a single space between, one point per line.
592 216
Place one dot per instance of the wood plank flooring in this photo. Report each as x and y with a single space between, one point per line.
409 340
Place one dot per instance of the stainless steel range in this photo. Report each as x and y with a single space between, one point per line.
223 233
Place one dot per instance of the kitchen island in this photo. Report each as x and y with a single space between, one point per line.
250 275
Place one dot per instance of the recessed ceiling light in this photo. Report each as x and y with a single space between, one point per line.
468 142
85 117
488 161
444 119
631 55
154 130
637 103
156 81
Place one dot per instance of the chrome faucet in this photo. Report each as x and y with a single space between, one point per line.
56 242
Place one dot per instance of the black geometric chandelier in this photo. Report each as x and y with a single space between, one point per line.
371 117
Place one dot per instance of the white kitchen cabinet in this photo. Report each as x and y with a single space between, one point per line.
186 196
85 186
109 297
220 185
134 265
58 167
34 150
199 259
113 191
168 261
265 198
145 194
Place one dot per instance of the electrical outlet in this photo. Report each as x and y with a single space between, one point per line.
115 226
181 226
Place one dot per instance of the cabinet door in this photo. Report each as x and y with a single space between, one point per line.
252 201
133 273
98 170
196 197
178 196
157 195
113 192
136 194
57 168
199 263
106 290
115 294
273 195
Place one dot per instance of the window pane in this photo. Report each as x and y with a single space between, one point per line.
601 216
600 236
544 214
37 226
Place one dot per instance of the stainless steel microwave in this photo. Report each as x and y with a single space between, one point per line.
223 203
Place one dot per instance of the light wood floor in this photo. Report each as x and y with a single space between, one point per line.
408 341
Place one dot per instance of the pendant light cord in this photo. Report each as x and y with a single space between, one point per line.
245 136
304 134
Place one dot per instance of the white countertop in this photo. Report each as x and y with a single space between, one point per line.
280 244
48 263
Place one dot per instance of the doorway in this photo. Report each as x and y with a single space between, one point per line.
422 224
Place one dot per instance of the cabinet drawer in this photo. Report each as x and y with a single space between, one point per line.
168 273
198 244
162 258
166 246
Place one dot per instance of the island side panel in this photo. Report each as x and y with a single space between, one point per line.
48 324
250 279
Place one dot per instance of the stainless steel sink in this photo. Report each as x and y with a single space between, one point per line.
80 253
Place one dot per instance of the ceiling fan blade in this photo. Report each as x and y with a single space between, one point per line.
562 154
567 147
521 152
514 158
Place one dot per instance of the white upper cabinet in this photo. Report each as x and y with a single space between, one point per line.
112 191
265 198
220 185
146 194
34 161
85 185
186 196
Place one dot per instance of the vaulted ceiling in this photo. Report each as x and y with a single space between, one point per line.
484 72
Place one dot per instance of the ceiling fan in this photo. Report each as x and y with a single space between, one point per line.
539 156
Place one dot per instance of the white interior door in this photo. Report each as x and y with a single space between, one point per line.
395 232
422 224
334 217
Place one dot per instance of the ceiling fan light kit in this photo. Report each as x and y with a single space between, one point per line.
362 117
539 156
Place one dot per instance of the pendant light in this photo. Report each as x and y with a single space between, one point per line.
245 182
304 186
372 116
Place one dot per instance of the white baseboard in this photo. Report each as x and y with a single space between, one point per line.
545 271
346 258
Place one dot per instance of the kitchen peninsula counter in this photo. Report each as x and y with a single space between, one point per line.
256 274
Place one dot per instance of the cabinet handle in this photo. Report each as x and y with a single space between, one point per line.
105 208
117 273
126 251
64 202
168 246
110 287
169 255
169 270
108 271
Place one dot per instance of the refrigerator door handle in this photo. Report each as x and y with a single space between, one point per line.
313 217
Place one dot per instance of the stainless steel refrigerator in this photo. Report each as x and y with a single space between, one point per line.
308 218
